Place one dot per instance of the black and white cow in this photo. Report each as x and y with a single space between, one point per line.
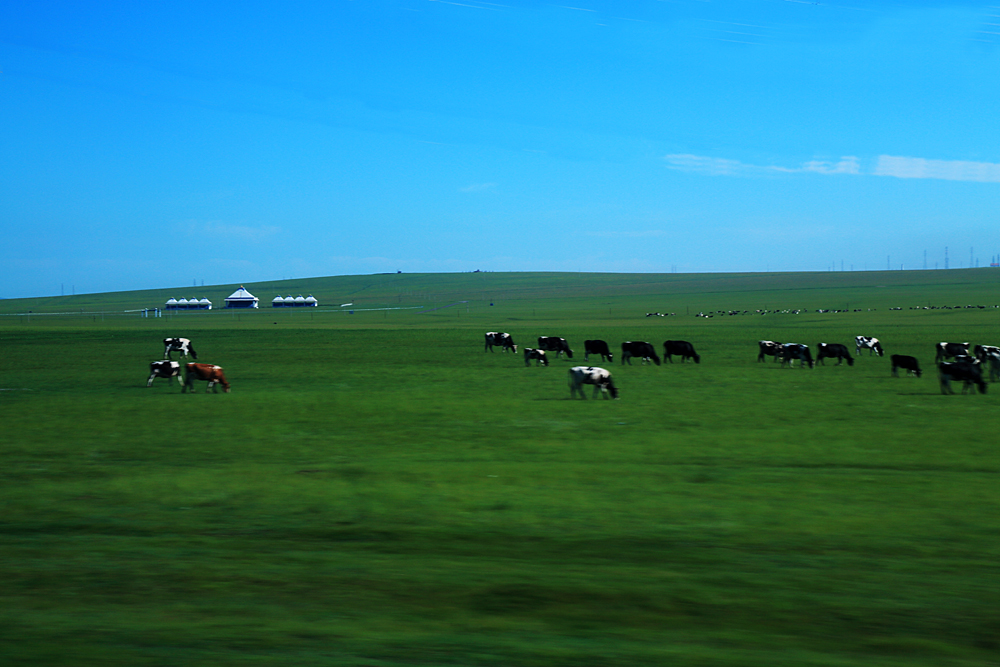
948 350
907 363
501 340
792 351
596 347
537 355
640 349
968 373
768 348
983 352
682 348
868 343
993 359
182 345
164 369
834 351
555 344
600 378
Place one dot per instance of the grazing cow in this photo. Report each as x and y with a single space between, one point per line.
164 369
792 351
993 359
834 351
555 344
909 364
537 355
501 340
641 349
681 348
182 345
949 350
983 352
596 347
768 348
969 373
600 378
868 343
207 372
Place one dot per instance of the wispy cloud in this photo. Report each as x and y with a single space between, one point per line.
725 167
948 170
478 187
883 165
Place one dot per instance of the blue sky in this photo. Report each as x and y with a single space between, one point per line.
159 144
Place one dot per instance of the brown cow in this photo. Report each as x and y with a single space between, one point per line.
208 372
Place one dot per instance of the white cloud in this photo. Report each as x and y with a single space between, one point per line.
884 165
948 170
847 165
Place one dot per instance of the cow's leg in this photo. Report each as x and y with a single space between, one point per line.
211 386
945 384
895 371
150 382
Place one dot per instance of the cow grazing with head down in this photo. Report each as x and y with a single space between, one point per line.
537 355
681 348
989 355
596 347
792 351
768 348
983 352
204 372
948 350
555 344
907 363
600 378
164 369
501 340
834 351
868 343
970 374
640 349
182 345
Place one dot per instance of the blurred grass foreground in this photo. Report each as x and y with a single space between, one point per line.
377 490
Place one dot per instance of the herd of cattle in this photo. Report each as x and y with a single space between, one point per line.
168 368
964 367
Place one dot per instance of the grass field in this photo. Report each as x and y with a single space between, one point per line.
378 491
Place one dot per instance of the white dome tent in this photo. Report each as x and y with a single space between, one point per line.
293 301
187 304
241 298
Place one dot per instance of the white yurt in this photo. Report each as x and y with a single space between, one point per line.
171 304
204 304
311 301
278 301
241 298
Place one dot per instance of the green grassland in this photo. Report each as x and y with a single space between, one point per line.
377 490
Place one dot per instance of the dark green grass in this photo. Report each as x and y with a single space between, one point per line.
376 490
